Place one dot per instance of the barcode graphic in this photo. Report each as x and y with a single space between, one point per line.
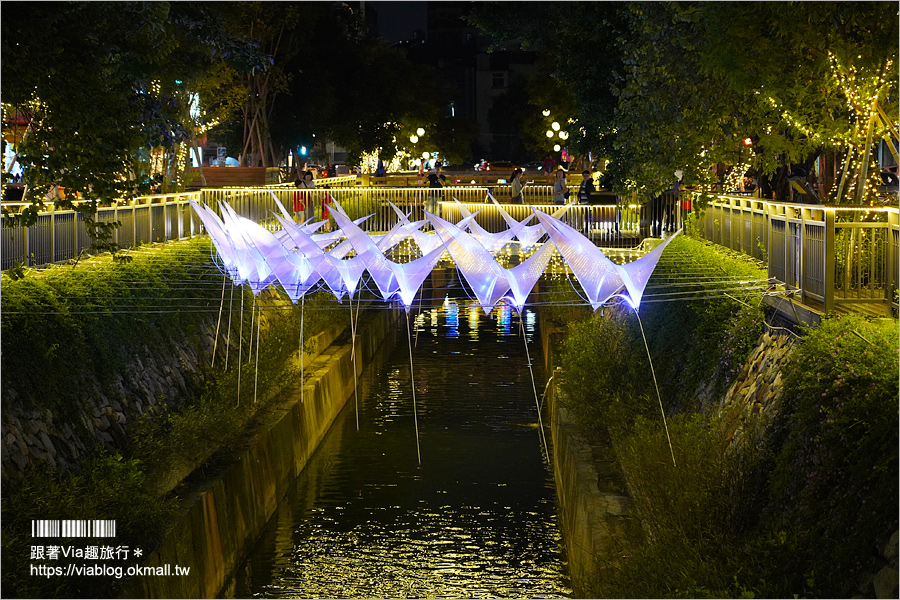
73 528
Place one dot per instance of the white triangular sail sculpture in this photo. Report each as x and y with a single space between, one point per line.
492 242
304 244
251 264
637 273
486 278
597 275
522 277
222 241
376 262
390 277
528 235
294 258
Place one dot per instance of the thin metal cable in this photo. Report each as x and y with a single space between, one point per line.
258 327
240 349
230 312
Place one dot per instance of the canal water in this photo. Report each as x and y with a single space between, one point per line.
477 518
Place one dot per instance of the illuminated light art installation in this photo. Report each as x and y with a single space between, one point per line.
296 257
298 260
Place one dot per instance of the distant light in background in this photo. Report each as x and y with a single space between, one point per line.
414 138
549 134
556 147
420 131
303 150
555 126
546 112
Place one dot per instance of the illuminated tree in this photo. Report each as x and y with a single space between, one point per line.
99 85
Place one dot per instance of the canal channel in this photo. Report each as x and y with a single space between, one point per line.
477 517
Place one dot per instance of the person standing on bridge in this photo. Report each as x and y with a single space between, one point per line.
516 187
436 181
307 199
301 198
560 187
584 197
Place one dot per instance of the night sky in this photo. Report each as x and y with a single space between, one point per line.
398 20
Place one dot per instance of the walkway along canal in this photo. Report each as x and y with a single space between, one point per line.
477 517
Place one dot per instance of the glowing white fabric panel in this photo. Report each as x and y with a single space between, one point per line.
220 239
309 226
304 244
637 273
280 206
427 242
250 263
522 277
377 264
528 235
598 275
486 278
411 275
406 230
492 242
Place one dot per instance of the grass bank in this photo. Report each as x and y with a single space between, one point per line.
728 519
68 334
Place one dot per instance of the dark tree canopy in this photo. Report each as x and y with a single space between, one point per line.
666 86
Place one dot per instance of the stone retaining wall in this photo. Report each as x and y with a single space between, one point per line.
593 505
755 393
754 399
32 436
152 376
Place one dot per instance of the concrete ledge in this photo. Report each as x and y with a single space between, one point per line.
596 523
224 516
794 312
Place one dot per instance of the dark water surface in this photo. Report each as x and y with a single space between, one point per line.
476 519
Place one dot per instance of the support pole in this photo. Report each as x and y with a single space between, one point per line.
413 386
537 403
219 322
658 396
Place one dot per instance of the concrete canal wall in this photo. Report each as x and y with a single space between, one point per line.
224 516
592 496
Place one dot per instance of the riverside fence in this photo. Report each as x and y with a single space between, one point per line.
830 255
60 234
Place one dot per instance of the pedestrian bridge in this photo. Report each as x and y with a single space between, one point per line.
829 256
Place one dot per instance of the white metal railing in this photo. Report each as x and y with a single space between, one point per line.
832 255
60 235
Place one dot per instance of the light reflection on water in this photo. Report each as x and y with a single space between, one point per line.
476 519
